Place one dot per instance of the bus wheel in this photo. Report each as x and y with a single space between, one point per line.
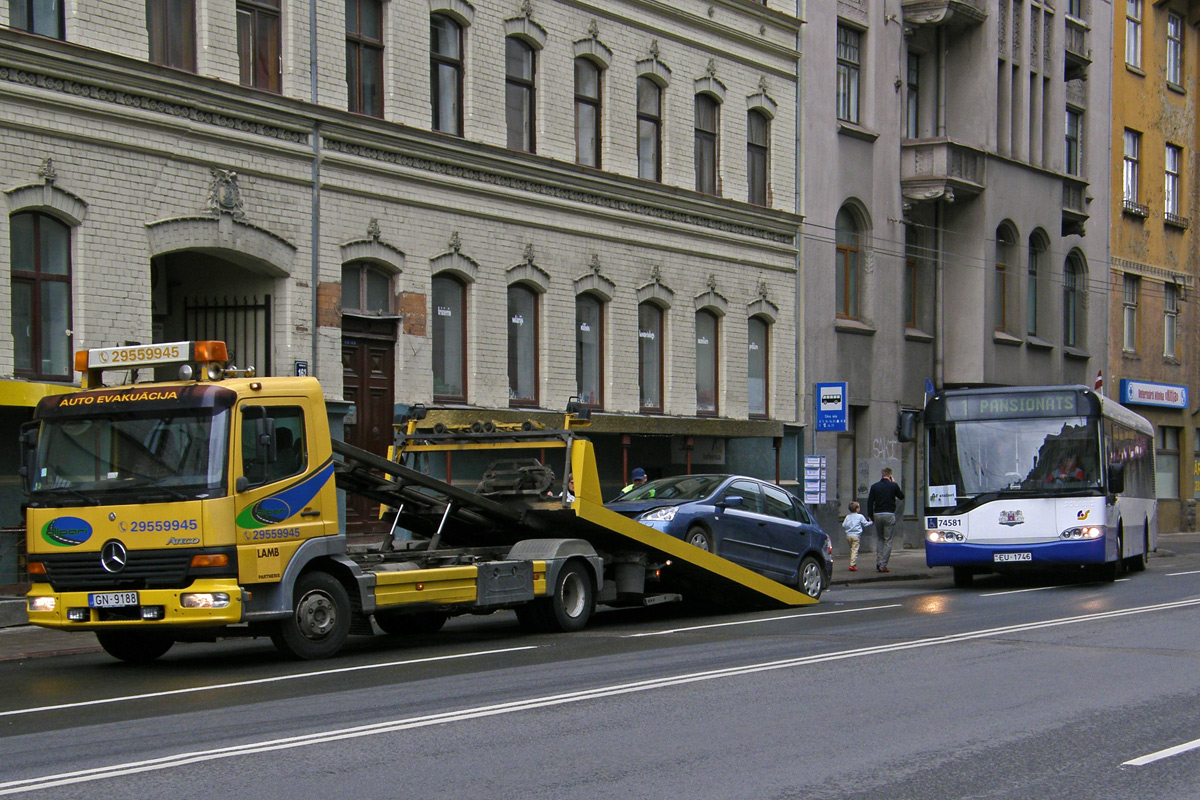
136 647
1138 563
963 577
1112 570
320 619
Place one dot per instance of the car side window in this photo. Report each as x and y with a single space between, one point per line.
749 492
803 513
778 504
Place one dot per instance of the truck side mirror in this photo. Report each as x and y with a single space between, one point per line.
1116 478
264 435
906 426
28 441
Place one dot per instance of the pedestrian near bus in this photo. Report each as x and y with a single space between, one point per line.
881 511
853 526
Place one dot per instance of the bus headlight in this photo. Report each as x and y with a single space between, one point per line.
43 603
204 600
1087 532
937 537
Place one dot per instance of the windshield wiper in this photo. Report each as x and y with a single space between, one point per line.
87 498
151 485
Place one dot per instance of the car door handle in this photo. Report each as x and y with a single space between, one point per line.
310 512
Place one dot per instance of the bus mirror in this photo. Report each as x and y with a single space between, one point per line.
906 426
1116 478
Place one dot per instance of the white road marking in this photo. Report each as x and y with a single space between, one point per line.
756 621
481 712
1019 591
256 681
1191 572
1161 754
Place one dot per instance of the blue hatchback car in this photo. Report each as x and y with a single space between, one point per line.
752 523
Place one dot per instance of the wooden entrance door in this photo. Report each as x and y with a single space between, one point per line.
368 381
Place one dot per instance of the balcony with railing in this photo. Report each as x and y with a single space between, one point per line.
951 13
1074 205
1175 221
941 169
1078 48
1133 208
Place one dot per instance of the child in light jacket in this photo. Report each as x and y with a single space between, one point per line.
853 526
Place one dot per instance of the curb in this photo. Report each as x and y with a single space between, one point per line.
12 612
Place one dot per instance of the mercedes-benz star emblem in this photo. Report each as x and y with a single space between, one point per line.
113 556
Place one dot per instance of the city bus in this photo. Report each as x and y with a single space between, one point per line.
1037 476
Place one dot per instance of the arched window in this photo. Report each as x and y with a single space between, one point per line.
847 264
40 248
1072 287
518 94
707 362
758 365
758 139
650 356
1005 264
707 140
446 74
1035 276
366 289
587 112
522 346
449 339
649 129
589 350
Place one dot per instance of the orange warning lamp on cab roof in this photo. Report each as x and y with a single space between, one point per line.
211 351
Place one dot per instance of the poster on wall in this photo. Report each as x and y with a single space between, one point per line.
814 480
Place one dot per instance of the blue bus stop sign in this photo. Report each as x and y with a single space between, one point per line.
831 406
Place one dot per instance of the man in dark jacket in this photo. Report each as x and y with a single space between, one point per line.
881 510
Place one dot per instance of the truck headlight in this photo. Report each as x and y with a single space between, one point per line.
42 603
204 600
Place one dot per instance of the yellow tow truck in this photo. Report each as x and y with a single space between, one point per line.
208 506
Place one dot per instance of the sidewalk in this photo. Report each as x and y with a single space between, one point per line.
904 565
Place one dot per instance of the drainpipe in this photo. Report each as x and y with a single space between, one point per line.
939 287
801 365
315 238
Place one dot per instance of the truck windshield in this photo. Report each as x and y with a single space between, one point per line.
180 453
1034 456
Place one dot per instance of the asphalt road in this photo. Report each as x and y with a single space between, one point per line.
1039 688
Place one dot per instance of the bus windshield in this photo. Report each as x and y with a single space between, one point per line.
1035 456
180 453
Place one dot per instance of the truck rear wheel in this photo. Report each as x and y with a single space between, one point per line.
136 647
567 609
320 619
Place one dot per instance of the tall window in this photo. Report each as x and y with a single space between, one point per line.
706 362
1074 120
43 17
258 43
707 115
1037 252
1166 462
758 367
758 128
589 349
847 265
446 74
1174 49
1133 33
650 356
1170 318
366 289
171 25
1075 8
522 346
1133 144
364 56
1071 279
649 129
449 339
1005 262
1171 197
41 295
911 259
912 99
587 112
848 65
1132 288
518 94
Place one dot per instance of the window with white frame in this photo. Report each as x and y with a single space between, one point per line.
1174 49
1171 188
1133 33
1129 315
849 48
1170 318
1133 145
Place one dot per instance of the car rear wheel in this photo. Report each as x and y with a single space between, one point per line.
811 578
698 537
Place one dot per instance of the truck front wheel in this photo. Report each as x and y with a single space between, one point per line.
320 619
137 647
